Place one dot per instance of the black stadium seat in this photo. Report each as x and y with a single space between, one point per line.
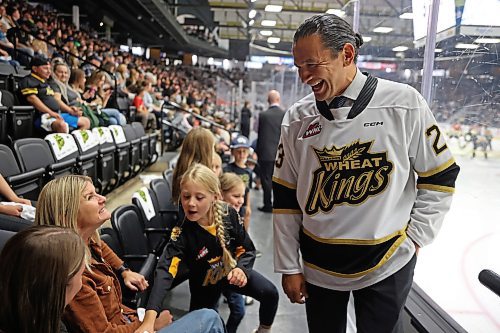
88 148
144 138
157 227
3 124
33 153
122 155
4 237
135 148
152 141
19 118
127 223
106 159
25 184
163 193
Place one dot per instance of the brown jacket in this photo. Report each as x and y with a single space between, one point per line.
97 307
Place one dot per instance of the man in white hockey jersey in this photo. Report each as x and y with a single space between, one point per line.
362 180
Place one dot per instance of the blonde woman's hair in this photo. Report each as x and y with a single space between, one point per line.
230 180
59 203
198 147
201 175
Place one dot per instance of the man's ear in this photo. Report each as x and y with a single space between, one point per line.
349 53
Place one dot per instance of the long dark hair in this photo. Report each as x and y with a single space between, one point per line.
35 267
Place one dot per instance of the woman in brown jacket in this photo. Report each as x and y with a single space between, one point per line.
72 202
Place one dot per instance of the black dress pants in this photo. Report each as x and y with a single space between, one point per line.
378 307
266 179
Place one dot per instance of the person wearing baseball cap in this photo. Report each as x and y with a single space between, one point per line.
51 113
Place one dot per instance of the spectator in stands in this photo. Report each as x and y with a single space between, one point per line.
36 91
98 95
90 67
72 202
15 34
198 147
142 112
216 249
41 272
12 208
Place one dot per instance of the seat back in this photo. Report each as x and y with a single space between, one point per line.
128 225
19 122
88 147
26 185
33 153
62 145
146 155
162 194
4 237
110 237
168 175
135 147
154 227
122 156
106 159
3 124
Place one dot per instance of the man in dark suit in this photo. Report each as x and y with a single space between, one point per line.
267 145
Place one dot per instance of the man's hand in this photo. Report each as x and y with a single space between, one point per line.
134 281
164 319
294 286
237 277
55 115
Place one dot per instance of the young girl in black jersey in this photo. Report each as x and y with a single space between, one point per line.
217 250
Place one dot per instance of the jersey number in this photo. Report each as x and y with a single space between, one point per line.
437 150
281 155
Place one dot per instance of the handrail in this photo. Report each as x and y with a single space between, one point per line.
194 114
59 48
490 280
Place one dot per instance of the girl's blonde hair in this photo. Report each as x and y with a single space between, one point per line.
198 147
230 180
201 175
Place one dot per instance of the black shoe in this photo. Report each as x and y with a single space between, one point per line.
266 209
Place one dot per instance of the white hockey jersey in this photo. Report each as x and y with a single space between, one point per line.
346 194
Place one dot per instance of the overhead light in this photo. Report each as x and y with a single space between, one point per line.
252 13
273 40
101 24
268 23
406 16
366 39
273 8
251 22
383 30
253 0
338 12
438 50
400 48
466 46
266 32
487 40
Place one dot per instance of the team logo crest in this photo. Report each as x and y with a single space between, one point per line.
347 175
176 232
312 130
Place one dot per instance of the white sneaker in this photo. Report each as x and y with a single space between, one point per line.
248 300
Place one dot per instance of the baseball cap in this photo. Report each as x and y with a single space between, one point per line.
240 141
39 61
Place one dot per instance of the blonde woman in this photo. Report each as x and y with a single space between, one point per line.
72 202
216 249
198 147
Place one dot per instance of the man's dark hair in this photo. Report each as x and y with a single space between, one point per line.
333 31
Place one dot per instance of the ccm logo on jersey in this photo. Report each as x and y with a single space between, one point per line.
312 130
374 123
